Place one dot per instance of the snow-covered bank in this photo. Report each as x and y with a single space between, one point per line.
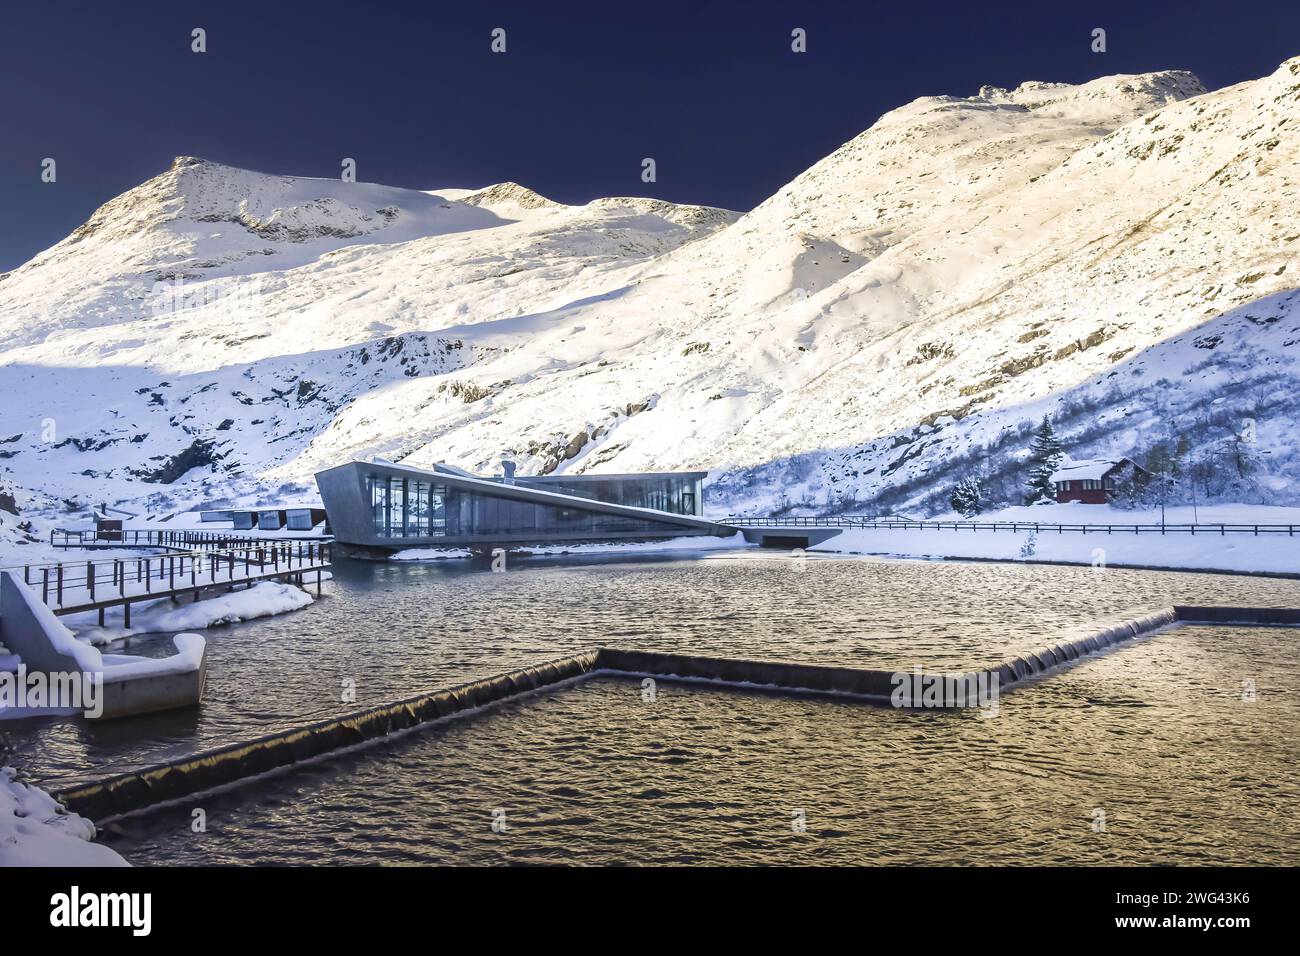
36 831
687 543
264 599
1271 553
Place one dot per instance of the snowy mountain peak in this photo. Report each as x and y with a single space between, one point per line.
683 214
1142 92
510 194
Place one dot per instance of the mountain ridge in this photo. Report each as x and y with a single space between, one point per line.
905 308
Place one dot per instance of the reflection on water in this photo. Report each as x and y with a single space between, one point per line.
1150 753
398 629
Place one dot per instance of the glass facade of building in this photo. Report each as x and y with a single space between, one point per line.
676 494
402 507
406 507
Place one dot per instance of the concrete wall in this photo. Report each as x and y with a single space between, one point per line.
788 538
1238 615
31 630
150 685
757 674
128 685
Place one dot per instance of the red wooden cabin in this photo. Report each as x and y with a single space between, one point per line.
1094 482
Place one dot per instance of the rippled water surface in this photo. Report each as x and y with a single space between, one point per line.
399 629
1158 735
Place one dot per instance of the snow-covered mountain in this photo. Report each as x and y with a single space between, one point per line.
1120 254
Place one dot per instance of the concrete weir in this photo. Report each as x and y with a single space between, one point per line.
775 675
221 767
228 766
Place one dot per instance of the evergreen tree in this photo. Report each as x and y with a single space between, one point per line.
1045 456
967 497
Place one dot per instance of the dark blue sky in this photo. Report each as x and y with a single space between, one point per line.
711 90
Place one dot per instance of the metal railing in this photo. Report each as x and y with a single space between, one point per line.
70 585
832 521
186 540
908 524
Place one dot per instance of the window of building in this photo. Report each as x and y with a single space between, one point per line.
417 521
406 508
379 504
397 515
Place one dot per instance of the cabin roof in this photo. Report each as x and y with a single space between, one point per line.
1092 469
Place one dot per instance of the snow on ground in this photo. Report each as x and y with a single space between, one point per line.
263 599
688 543
1078 513
1270 552
1232 552
36 831
430 554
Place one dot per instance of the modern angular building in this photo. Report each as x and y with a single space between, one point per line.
379 506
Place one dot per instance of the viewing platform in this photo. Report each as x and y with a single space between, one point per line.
77 586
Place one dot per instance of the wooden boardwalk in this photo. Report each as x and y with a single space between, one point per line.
75 587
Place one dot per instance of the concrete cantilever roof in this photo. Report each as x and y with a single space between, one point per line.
517 492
